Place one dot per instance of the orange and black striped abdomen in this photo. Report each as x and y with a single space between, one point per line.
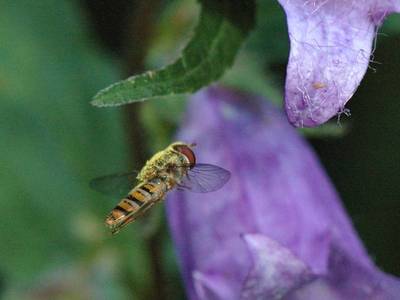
130 207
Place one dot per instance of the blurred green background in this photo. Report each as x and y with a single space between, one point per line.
55 55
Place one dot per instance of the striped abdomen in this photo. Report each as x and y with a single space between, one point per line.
138 200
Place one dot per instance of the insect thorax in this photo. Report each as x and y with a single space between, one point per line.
160 164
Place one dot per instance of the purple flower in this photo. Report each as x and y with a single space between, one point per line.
331 47
277 229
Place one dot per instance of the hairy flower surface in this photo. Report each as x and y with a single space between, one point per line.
277 229
330 50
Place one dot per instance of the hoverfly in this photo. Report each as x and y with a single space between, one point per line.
172 167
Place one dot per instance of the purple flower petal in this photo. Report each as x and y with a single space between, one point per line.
278 198
211 286
275 270
349 280
330 49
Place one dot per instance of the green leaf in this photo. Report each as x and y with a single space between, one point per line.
222 28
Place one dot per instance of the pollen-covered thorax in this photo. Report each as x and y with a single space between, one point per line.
168 162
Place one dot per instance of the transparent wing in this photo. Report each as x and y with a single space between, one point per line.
204 178
116 185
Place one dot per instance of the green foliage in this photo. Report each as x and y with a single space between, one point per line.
391 25
222 27
248 75
52 144
161 118
172 30
269 41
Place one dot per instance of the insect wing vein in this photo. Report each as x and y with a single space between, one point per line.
204 178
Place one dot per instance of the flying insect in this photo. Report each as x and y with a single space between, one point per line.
173 167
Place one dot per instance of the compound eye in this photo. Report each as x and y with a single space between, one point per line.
188 153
